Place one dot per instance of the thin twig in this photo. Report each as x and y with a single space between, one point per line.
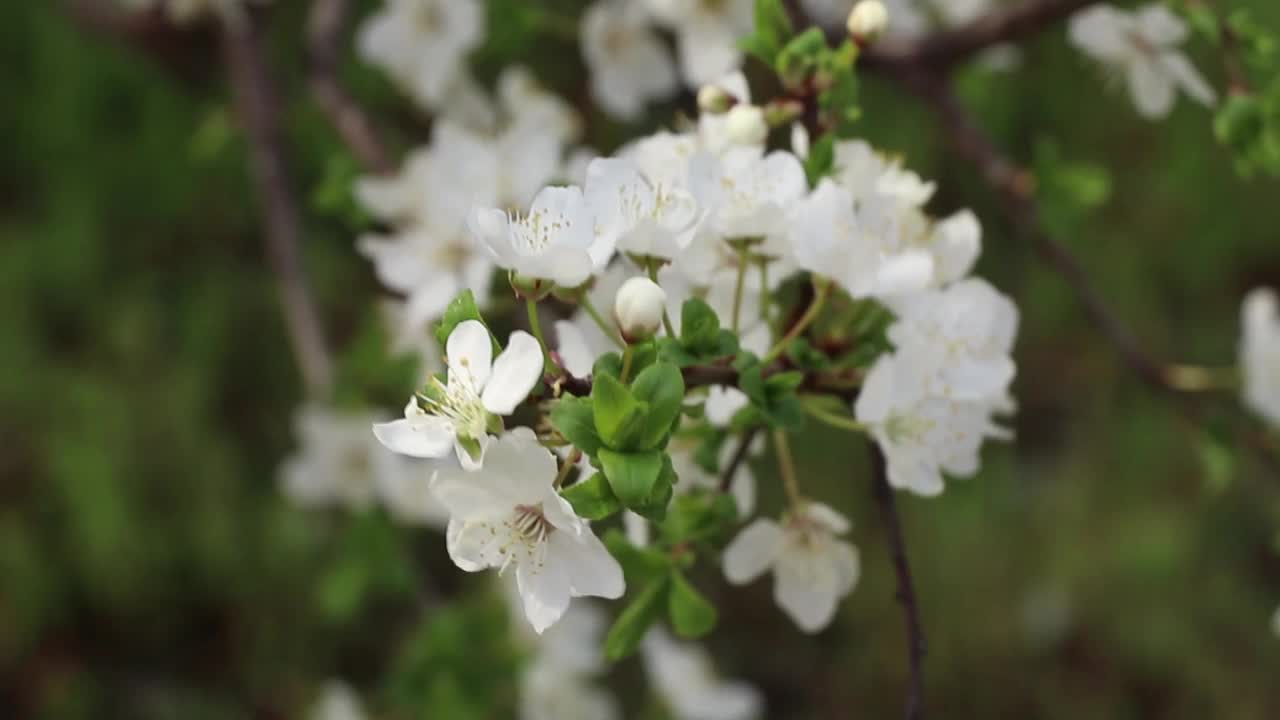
739 456
353 125
944 48
1237 77
259 113
906 593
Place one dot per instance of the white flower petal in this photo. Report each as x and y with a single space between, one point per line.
753 551
544 592
571 346
1188 78
469 352
590 567
514 374
423 437
1152 90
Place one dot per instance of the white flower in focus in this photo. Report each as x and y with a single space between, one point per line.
746 194
1260 354
509 514
555 240
628 62
923 435
638 308
683 675
637 214
812 569
337 702
338 462
707 33
458 413
966 332
422 43
1142 45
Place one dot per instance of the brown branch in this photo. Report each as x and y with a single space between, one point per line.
259 112
324 43
1237 77
947 47
906 593
739 456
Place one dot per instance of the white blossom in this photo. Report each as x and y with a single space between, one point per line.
1260 354
683 675
707 33
547 692
509 514
556 240
337 462
923 435
638 214
638 308
628 62
337 702
868 19
745 194
422 44
459 412
1143 46
812 569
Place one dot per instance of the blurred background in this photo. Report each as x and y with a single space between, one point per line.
1115 561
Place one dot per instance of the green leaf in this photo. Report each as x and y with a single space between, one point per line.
632 476
800 56
699 516
661 387
609 364
592 498
692 615
699 326
639 564
771 31
634 621
461 308
821 160
616 411
784 382
574 418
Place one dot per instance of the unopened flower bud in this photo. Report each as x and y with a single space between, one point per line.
745 125
782 112
714 100
638 308
868 19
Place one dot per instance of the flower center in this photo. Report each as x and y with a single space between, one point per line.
531 524
459 402
535 232
908 427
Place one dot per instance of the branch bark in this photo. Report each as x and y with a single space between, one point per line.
945 48
353 125
906 593
259 111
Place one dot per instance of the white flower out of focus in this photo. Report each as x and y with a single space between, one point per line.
459 412
684 677
629 64
556 240
1143 46
706 34
812 569
745 125
337 702
638 308
1260 354
509 515
421 44
868 19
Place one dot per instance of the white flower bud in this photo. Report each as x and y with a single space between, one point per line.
868 19
714 100
745 125
638 308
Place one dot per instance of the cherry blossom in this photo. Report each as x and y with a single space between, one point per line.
1260 354
707 33
629 64
683 675
422 43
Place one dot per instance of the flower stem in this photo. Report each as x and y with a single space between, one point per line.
763 264
567 468
666 319
738 287
832 419
536 326
821 288
600 323
627 356
786 466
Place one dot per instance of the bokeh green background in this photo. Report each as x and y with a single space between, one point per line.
1115 561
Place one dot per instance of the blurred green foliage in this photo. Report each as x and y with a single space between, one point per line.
1113 562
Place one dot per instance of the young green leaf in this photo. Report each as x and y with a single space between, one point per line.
661 387
461 308
634 621
691 614
639 564
699 326
632 476
615 410
592 498
574 418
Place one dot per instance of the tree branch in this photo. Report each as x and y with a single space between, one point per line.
324 43
948 47
906 594
259 111
739 456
